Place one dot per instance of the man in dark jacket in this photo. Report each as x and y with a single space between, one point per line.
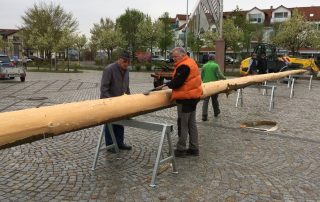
115 82
262 64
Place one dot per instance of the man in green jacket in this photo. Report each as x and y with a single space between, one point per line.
211 72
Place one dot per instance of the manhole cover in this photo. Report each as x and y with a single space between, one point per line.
266 126
37 98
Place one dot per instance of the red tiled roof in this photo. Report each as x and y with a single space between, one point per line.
305 11
172 20
181 16
7 32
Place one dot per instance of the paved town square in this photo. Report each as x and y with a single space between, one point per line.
234 164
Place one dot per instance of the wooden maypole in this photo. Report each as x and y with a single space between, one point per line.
29 124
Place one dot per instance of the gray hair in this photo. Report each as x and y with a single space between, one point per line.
211 56
180 50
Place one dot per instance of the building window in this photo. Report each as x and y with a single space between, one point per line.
316 26
16 39
281 15
181 36
177 24
255 18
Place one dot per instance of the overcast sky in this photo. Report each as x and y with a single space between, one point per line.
88 12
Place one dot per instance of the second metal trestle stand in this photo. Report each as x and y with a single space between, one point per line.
164 128
265 87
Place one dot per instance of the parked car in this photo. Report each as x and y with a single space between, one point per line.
231 60
8 70
35 58
159 58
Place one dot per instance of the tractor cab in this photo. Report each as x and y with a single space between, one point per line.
270 52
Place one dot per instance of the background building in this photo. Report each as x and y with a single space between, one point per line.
11 43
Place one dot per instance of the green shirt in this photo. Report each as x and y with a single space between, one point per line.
211 72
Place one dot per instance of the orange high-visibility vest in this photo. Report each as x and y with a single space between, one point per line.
191 89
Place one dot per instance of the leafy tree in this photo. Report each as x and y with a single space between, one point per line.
209 38
43 26
67 41
167 34
239 17
106 37
128 24
3 45
109 40
315 38
293 33
93 48
104 24
80 42
195 43
149 33
232 35
250 31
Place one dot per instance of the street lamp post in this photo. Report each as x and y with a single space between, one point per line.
186 29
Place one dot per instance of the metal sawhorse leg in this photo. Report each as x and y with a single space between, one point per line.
290 84
100 142
165 129
304 76
310 82
239 96
265 87
265 90
271 105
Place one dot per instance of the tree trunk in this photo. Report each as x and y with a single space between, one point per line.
68 59
79 56
30 124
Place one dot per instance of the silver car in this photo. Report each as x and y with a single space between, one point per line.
9 70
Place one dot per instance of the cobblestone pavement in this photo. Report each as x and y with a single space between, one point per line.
234 164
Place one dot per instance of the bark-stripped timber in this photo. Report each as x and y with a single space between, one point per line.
29 124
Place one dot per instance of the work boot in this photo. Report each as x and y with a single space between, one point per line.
180 153
112 150
193 152
217 113
124 147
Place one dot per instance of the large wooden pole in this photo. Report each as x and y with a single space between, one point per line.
29 124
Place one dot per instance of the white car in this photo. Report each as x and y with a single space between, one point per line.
159 58
8 70
231 60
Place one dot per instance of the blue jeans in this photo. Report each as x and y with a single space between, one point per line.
118 133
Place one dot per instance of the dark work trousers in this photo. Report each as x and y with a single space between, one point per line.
118 133
179 108
215 105
188 126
